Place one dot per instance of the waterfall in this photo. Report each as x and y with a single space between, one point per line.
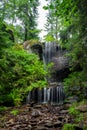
45 95
53 95
48 94
49 51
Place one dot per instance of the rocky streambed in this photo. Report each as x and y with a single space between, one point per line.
42 117
35 117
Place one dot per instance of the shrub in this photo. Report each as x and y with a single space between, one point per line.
14 112
18 71
68 127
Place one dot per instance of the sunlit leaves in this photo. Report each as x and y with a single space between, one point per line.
49 38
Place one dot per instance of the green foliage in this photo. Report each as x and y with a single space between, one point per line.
68 18
19 72
68 127
49 38
74 79
73 111
39 84
23 15
15 96
71 26
78 116
85 127
75 84
3 108
5 36
14 112
45 7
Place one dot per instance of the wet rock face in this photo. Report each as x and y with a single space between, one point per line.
33 48
52 52
59 75
60 67
37 49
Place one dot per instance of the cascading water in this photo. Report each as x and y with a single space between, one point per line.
52 94
49 51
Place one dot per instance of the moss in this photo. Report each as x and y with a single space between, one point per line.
68 127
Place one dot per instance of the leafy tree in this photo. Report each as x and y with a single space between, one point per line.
22 12
72 29
77 45
6 36
52 21
28 17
